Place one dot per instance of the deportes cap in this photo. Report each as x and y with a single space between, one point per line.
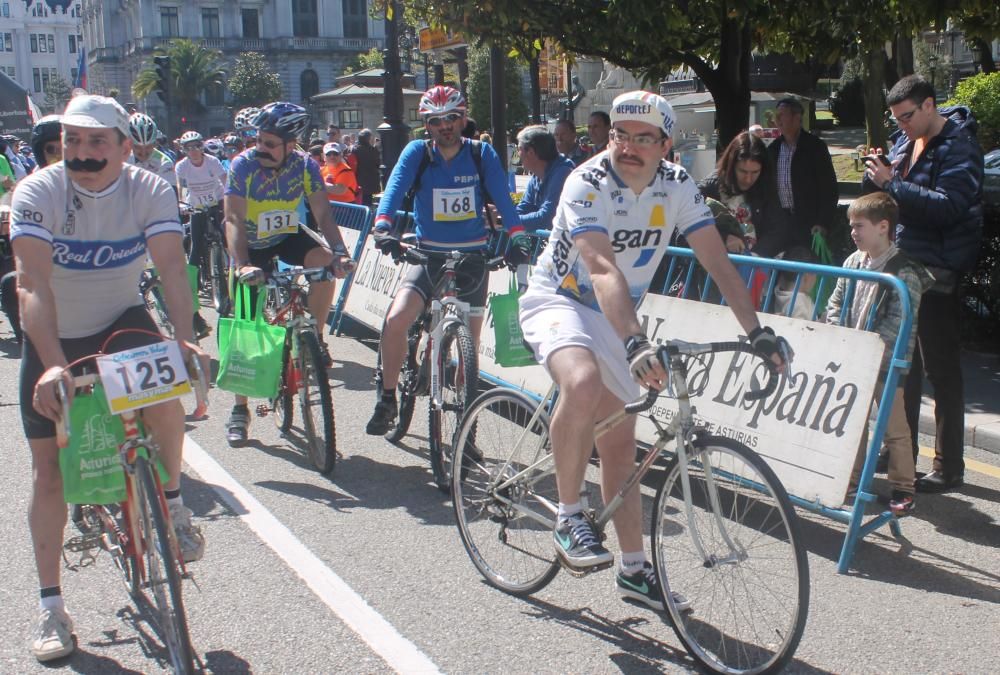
643 106
96 112
333 147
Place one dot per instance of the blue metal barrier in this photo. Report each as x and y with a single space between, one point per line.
354 217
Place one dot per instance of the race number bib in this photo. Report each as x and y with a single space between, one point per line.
454 203
274 223
205 200
141 377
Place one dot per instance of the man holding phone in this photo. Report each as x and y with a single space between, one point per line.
934 171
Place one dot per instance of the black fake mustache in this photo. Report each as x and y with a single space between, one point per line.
86 165
264 155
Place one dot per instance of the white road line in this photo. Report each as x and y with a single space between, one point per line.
379 634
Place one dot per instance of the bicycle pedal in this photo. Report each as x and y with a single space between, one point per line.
263 410
580 572
84 542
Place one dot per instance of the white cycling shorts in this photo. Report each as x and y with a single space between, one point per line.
551 322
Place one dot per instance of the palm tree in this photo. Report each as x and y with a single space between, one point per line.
193 68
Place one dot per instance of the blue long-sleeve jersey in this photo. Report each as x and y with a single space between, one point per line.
448 206
541 198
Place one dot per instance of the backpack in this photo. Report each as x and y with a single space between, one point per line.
425 160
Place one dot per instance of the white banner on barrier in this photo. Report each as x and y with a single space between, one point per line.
808 430
350 238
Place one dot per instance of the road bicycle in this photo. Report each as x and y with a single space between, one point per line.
138 533
441 358
724 533
213 268
303 371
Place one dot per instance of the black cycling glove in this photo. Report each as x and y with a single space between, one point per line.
388 244
767 344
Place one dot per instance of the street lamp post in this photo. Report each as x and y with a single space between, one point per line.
394 131
933 61
976 55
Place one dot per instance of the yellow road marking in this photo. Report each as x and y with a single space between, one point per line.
970 464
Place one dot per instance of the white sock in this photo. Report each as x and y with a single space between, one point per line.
176 501
52 602
567 510
632 562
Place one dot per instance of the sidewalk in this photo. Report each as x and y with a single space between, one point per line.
981 373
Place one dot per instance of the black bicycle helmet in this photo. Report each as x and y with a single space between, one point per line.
285 120
48 129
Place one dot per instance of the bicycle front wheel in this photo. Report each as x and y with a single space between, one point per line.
506 528
316 403
163 578
458 368
737 556
282 404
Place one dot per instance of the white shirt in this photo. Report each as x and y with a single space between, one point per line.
98 240
594 199
157 163
201 186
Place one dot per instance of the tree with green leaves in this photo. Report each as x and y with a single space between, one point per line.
478 93
194 69
253 82
365 60
57 93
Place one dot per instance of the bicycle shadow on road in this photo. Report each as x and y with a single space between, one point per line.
83 661
641 651
351 376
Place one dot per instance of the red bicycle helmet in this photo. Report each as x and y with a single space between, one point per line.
441 100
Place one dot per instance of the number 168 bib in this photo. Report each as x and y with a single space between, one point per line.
454 203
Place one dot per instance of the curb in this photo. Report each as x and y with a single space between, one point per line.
984 436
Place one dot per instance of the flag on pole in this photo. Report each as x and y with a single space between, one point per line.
81 69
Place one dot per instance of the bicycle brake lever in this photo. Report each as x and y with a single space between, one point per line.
62 424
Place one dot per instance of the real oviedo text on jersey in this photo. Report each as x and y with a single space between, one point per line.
96 255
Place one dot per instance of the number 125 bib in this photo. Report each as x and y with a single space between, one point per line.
454 203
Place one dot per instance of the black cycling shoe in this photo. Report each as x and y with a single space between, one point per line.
237 428
383 418
201 327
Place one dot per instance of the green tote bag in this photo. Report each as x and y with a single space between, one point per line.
250 349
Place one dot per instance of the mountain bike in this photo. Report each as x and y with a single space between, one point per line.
213 268
441 359
138 533
303 372
724 533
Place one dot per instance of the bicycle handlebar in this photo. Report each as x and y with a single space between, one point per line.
196 373
421 256
682 348
285 277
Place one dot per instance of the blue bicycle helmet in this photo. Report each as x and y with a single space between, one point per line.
285 120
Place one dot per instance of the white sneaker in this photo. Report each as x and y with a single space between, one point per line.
189 537
54 635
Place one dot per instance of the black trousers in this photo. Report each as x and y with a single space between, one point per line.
937 354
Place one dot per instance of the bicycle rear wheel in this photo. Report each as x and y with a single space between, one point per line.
749 599
163 578
507 532
282 404
316 403
458 366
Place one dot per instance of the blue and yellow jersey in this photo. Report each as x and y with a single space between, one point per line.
274 197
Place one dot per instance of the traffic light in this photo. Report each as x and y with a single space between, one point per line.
163 78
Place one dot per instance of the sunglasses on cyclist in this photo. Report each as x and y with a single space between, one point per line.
194 146
450 118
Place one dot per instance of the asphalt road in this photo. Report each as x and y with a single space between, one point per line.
365 572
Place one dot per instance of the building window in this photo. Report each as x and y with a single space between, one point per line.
8 42
36 76
414 115
305 21
251 24
169 22
9 70
350 119
6 10
34 43
309 83
52 44
73 72
210 22
40 9
77 12
72 44
356 18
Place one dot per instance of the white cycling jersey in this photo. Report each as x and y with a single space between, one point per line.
201 186
158 163
594 199
98 240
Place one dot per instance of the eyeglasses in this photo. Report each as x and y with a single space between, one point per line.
450 118
52 149
905 117
194 146
638 141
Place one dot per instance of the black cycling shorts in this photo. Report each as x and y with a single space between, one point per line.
471 278
291 250
35 424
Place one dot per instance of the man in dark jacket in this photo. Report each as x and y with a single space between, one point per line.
936 176
807 183
549 170
365 160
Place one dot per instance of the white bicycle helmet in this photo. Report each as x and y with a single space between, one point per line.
441 100
242 120
142 129
214 147
189 137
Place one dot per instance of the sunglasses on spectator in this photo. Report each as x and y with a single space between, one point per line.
450 118
52 149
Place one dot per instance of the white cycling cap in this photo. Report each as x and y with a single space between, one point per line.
644 106
96 112
333 147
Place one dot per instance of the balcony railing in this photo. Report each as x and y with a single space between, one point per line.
238 44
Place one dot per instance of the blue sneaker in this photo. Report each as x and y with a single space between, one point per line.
643 587
578 544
